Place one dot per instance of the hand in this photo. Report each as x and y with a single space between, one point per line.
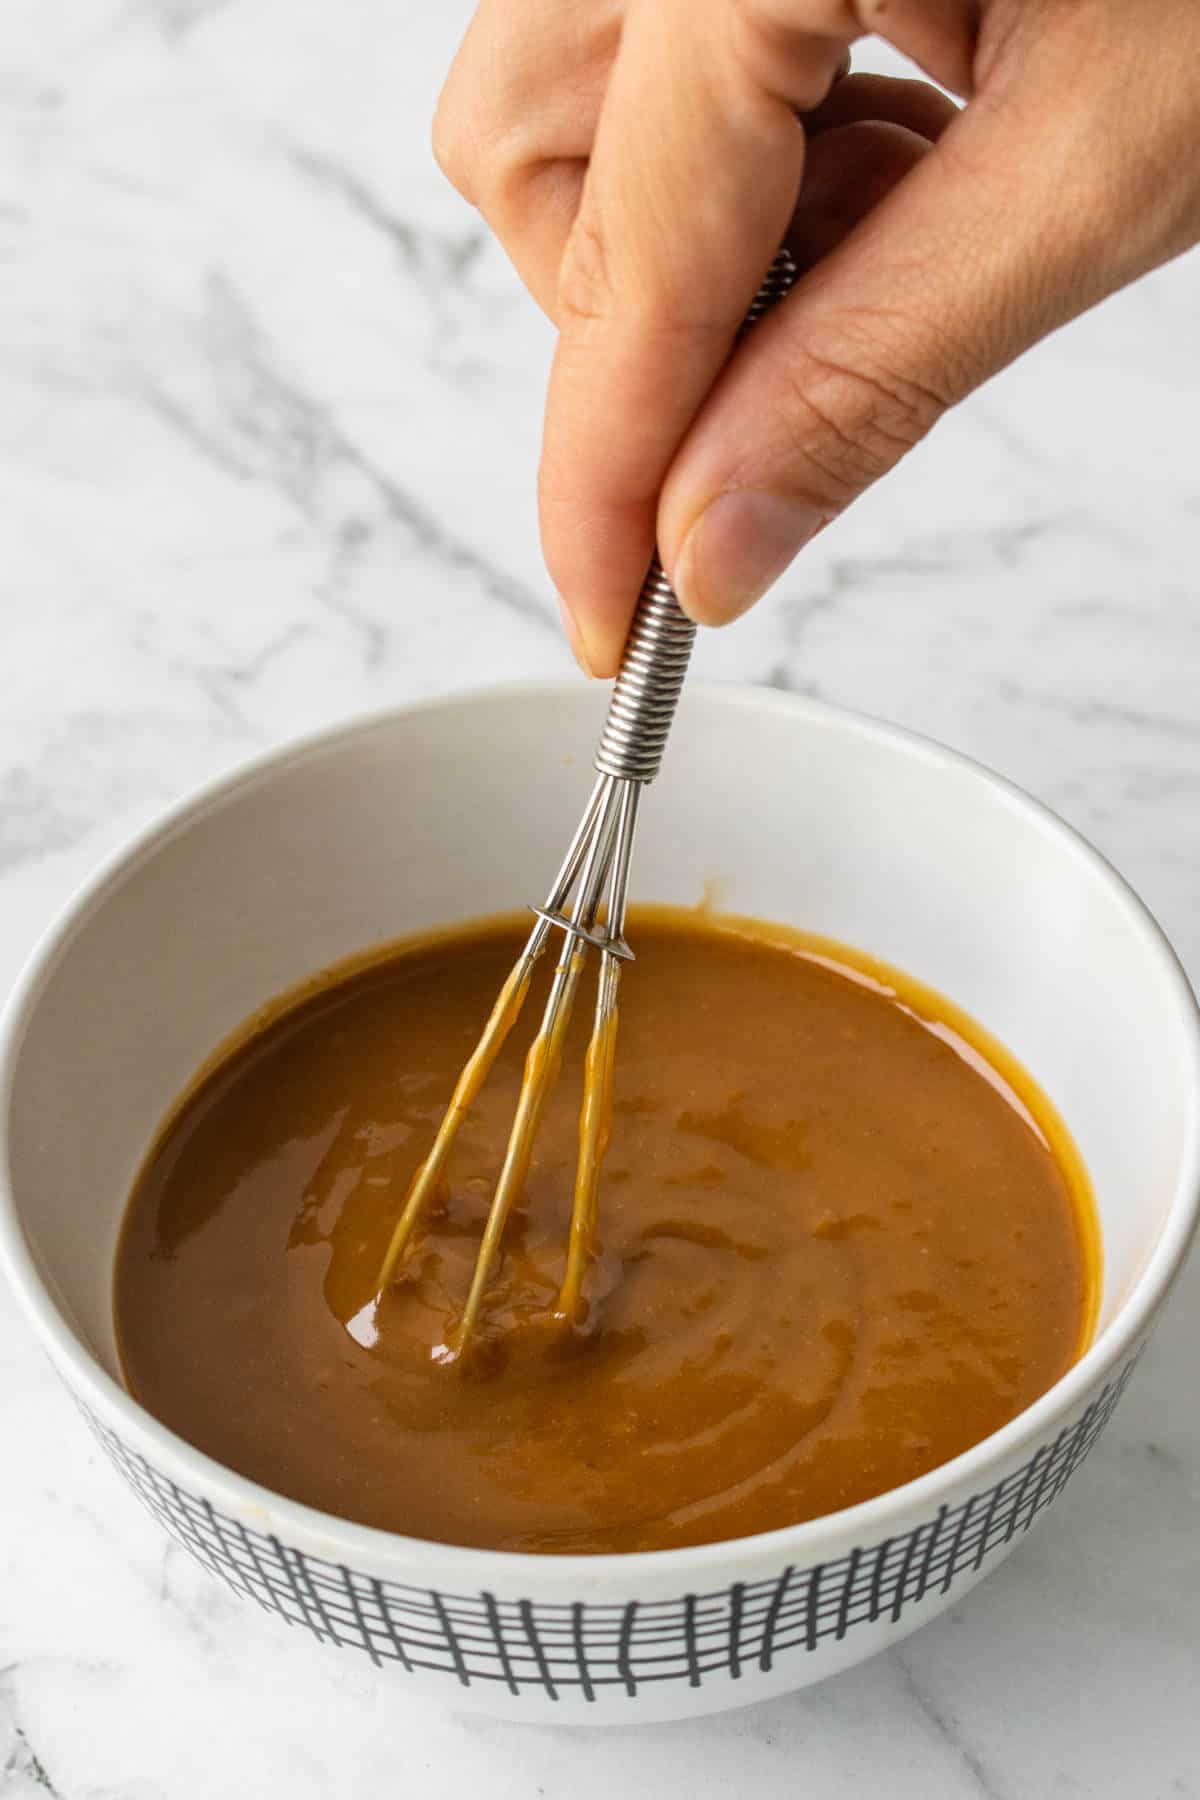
641 160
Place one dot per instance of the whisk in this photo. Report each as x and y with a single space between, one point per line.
587 904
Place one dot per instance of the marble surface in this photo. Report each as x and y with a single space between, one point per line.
269 410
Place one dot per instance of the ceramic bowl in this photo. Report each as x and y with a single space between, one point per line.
777 807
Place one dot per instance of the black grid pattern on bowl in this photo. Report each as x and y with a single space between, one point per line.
586 1647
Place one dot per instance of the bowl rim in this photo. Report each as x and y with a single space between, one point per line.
811 1541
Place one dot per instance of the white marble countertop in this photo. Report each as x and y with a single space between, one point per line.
269 409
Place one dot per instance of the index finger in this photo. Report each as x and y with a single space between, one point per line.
692 183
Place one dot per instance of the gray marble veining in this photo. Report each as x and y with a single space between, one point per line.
268 428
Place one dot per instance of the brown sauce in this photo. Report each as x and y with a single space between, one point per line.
841 1239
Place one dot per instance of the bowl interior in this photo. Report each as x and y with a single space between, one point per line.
772 807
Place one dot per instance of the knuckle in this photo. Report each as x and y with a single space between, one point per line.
652 299
483 160
451 146
796 50
851 416
585 292
782 22
763 24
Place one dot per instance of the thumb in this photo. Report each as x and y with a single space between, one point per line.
1013 223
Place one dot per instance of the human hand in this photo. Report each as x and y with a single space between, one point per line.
641 161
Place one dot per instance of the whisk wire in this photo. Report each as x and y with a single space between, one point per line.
503 1017
543 1061
595 1116
629 755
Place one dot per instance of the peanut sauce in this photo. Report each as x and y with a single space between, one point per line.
841 1237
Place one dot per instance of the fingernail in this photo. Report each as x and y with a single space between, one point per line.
574 637
740 544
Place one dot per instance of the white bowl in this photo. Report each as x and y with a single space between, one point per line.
795 813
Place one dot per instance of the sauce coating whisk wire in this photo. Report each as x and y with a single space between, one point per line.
587 903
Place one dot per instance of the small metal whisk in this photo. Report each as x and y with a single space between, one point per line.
587 904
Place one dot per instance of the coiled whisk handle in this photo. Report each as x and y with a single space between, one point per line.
659 646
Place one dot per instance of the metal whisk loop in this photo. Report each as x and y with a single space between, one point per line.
596 872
